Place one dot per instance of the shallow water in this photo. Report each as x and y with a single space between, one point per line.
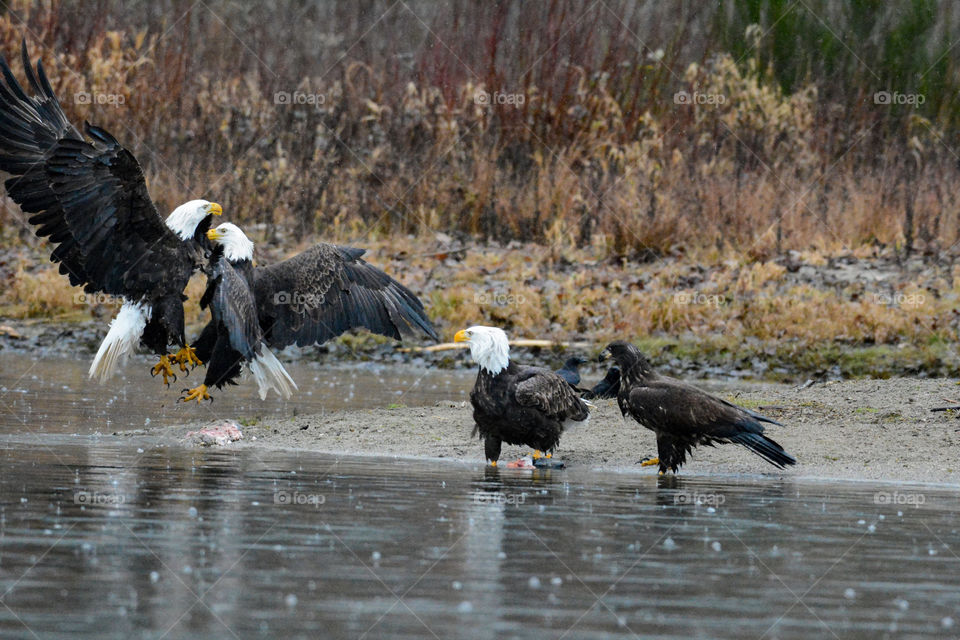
108 538
102 541
53 395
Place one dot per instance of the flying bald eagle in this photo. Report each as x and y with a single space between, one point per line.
517 404
89 198
682 416
306 300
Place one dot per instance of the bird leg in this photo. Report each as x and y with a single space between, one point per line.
187 356
163 368
197 393
649 462
493 463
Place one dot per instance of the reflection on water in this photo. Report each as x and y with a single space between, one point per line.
100 541
53 395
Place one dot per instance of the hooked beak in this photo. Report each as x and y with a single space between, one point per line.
604 355
215 209
213 235
461 336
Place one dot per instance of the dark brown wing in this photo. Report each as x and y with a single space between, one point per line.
327 290
548 392
90 199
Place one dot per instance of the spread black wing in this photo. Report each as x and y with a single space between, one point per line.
89 198
327 290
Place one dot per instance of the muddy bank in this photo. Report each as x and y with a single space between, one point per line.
867 430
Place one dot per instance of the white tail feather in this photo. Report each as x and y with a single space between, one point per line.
120 341
270 374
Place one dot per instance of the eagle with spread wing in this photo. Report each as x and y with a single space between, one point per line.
88 197
304 301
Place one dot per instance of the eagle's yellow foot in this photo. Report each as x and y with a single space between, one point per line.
187 356
649 462
197 393
164 369
537 454
493 463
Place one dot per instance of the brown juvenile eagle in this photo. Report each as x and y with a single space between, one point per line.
517 404
682 416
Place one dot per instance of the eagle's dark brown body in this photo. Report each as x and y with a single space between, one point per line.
523 406
683 417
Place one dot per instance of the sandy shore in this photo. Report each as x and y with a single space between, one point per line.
866 430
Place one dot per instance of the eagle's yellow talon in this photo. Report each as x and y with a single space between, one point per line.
493 463
536 454
197 393
187 356
164 369
649 462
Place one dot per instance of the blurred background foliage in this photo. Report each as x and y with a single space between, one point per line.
586 144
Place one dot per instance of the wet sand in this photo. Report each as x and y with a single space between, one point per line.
864 430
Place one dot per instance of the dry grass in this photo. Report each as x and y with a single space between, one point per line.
593 204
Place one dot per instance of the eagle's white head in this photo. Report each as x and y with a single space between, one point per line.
185 218
488 346
236 245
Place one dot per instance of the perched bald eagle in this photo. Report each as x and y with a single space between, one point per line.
305 300
682 416
89 198
517 404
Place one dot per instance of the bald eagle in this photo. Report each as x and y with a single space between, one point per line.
89 198
305 300
682 416
517 404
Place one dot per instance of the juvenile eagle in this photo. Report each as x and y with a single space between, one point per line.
307 300
89 198
517 404
682 416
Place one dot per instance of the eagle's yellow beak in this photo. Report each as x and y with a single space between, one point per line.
213 235
461 336
215 209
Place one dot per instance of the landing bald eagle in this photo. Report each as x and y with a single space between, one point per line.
89 198
517 404
235 337
309 299
682 416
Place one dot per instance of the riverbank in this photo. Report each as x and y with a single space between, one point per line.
863 430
